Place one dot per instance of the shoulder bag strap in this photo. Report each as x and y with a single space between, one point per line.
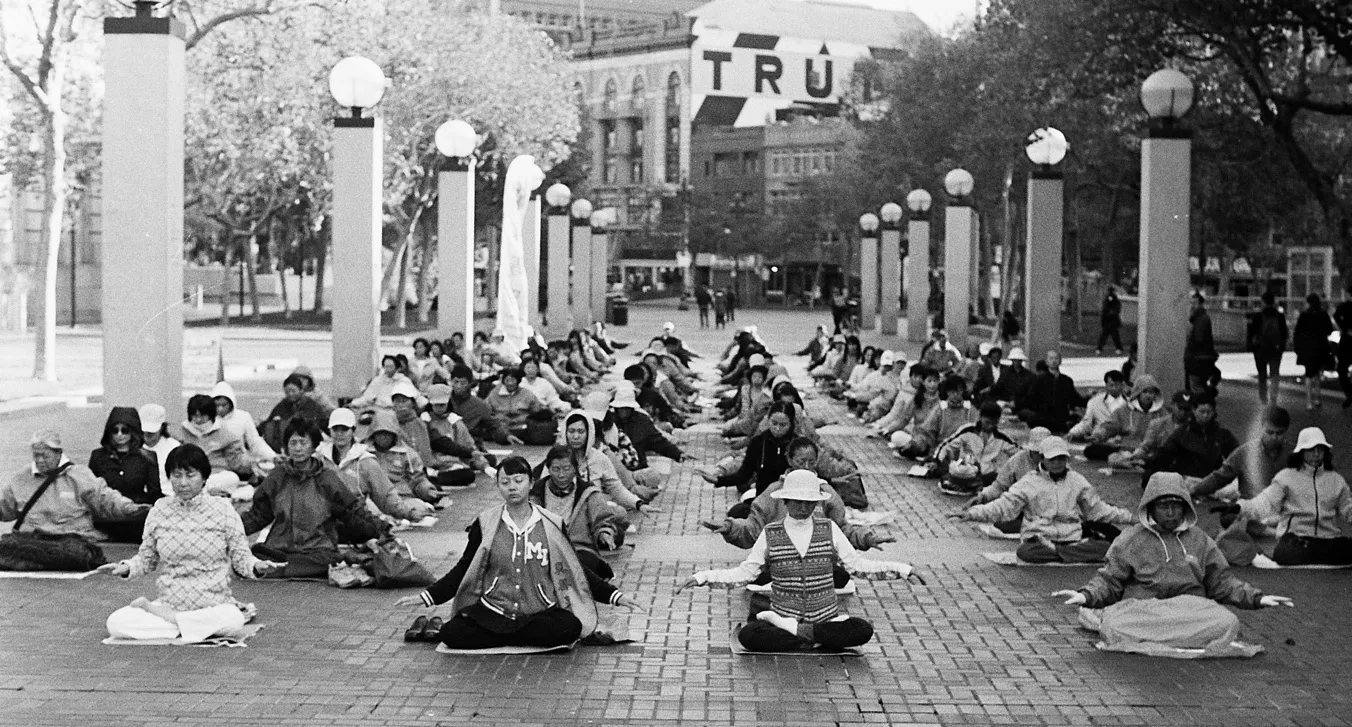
51 477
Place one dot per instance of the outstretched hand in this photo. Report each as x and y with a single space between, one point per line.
690 582
707 476
121 568
1073 598
1271 601
410 601
629 603
880 540
514 440
960 515
606 541
720 528
267 567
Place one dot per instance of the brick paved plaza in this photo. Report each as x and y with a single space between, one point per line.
981 644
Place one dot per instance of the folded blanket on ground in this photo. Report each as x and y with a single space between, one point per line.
232 641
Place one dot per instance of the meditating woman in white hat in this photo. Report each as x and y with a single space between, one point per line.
803 611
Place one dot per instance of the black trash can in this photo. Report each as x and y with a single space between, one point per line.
618 307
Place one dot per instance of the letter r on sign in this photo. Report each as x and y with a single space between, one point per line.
768 70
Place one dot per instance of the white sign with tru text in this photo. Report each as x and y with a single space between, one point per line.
757 73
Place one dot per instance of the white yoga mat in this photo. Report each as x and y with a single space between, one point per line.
496 650
46 575
214 642
1262 561
991 531
1010 558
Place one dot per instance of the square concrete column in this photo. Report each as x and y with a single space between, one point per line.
917 279
959 226
530 239
889 273
581 274
142 263
556 288
455 250
357 158
868 281
600 272
1165 290
1042 276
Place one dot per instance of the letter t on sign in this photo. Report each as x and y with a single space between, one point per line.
719 58
768 70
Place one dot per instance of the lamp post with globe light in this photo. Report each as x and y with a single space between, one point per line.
889 267
1166 194
918 266
456 141
959 234
357 84
1046 210
868 271
557 197
142 262
580 267
600 263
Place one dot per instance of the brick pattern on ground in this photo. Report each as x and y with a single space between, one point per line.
981 644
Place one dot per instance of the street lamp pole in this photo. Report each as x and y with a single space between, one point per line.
868 271
959 228
142 269
456 140
918 266
356 84
556 287
889 267
1046 211
581 264
1166 189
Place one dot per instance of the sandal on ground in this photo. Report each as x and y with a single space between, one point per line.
433 630
415 632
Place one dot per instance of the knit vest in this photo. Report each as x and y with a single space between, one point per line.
801 585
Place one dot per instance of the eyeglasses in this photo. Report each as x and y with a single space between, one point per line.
120 429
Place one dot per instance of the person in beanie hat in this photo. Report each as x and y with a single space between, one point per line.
803 611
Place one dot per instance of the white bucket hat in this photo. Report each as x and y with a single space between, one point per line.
152 417
1311 437
1054 447
803 485
625 397
1016 354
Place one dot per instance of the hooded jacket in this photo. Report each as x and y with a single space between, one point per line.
224 448
1307 502
589 515
943 422
134 473
988 453
241 424
1129 422
451 441
1053 508
513 408
304 503
402 464
1148 562
765 461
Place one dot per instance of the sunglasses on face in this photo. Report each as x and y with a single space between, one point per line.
120 429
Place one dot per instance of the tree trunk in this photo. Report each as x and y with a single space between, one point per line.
53 209
280 256
1076 266
400 307
321 253
251 272
428 276
228 237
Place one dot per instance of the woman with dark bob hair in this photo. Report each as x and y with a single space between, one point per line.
518 583
194 541
306 503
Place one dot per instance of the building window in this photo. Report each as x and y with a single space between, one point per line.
673 154
638 89
750 162
673 94
725 164
636 153
708 168
611 92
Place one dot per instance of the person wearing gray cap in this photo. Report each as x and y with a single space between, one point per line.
56 496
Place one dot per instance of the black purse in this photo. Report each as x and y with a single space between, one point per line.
39 551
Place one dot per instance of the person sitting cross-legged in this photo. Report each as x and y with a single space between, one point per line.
954 413
591 524
971 458
800 551
1244 475
518 582
1051 400
1126 427
1027 459
1057 504
1100 407
1165 580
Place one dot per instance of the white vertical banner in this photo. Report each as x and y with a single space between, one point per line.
523 177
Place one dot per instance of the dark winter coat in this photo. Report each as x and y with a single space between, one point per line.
134 473
1194 450
1311 340
765 461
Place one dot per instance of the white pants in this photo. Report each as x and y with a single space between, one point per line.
130 622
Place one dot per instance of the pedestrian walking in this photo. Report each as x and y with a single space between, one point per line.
1199 353
720 309
1266 341
1311 342
1342 316
1009 329
730 297
1110 321
703 299
839 308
